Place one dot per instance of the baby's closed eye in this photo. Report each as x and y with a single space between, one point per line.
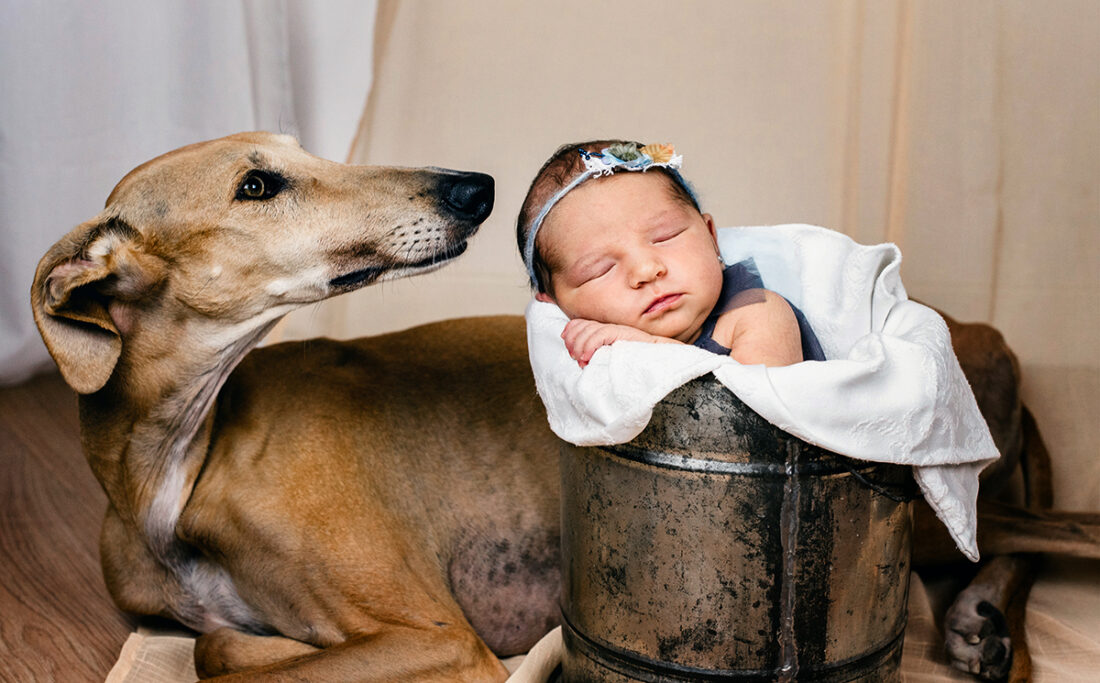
594 271
666 234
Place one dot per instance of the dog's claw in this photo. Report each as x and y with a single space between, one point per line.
978 641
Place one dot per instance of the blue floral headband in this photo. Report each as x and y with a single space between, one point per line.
618 157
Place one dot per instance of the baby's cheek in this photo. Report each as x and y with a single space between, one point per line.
623 316
593 304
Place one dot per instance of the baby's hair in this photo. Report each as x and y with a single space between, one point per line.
560 169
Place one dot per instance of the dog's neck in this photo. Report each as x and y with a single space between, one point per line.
159 415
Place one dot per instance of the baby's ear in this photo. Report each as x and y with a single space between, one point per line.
545 298
709 220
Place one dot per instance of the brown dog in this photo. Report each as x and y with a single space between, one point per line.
384 509
379 504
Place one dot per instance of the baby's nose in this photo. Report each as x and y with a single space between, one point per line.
647 269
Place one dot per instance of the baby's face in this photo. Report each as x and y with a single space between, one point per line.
624 250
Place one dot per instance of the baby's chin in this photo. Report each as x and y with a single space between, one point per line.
680 333
683 324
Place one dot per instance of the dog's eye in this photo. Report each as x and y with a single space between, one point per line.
260 185
253 187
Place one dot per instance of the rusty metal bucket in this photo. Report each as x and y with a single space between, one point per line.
716 547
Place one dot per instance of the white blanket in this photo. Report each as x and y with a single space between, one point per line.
892 390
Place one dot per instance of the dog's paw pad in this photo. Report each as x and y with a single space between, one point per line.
978 641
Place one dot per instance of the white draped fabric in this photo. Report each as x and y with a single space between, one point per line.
88 90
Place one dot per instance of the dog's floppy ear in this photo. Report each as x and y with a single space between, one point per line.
76 283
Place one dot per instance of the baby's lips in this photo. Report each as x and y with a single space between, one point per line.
660 302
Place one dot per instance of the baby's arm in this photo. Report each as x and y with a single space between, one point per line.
582 337
760 328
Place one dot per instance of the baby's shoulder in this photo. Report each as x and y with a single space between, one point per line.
753 307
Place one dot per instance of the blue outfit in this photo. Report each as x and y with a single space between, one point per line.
736 279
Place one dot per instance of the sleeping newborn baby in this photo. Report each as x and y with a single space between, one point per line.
617 249
613 235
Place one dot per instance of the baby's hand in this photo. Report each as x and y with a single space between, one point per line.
582 337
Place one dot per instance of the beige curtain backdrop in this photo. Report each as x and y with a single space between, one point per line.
967 133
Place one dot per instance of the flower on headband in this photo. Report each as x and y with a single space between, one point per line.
624 152
660 153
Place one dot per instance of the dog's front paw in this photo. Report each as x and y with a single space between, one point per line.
978 641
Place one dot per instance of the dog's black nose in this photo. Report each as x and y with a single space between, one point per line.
468 196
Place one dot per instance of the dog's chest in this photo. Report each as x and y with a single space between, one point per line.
207 596
211 600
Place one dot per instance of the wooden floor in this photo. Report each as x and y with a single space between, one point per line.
57 622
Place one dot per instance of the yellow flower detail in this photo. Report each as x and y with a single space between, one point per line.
659 152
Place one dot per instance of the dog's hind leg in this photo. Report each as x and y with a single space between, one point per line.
226 650
984 627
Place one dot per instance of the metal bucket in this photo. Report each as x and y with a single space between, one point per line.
716 547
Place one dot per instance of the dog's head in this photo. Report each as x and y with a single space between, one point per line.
233 233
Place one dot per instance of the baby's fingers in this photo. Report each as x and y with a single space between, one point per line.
572 332
583 337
